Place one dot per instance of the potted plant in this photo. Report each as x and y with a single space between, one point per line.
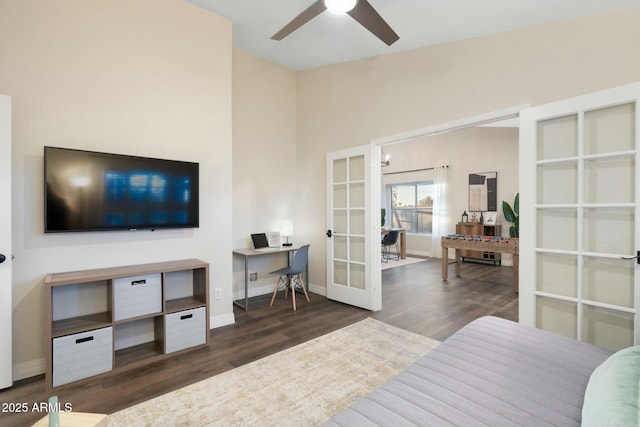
512 215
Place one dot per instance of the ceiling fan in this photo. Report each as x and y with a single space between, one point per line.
360 10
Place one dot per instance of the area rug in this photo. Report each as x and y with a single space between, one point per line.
302 386
393 263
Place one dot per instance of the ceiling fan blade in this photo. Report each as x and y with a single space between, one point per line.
367 16
307 15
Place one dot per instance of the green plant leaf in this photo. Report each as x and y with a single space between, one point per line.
513 215
508 212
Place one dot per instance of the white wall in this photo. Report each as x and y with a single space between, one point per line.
350 104
264 161
480 149
144 77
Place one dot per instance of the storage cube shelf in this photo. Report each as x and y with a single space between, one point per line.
123 317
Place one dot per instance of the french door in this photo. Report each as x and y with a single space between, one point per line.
579 234
350 229
5 243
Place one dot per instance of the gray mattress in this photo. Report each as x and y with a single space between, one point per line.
493 372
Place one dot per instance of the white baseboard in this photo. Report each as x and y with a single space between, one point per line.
316 289
263 287
221 320
259 287
419 254
507 259
28 369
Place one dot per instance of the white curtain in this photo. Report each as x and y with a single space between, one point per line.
439 224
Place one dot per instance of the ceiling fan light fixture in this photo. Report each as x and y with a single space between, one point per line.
340 6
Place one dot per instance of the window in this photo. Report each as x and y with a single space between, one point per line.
412 207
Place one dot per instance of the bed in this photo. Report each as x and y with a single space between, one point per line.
494 372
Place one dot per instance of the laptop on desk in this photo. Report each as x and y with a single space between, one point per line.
261 243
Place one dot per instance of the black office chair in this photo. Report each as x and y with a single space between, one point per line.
390 239
290 277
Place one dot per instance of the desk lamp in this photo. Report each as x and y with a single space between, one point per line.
287 231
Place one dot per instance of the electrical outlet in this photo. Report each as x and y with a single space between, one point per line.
217 293
253 277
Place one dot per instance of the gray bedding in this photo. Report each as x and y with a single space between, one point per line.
493 372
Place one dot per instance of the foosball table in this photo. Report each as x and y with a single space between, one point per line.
460 242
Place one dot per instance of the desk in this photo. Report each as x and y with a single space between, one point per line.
251 253
460 243
402 239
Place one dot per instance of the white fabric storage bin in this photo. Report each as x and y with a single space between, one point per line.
82 355
136 296
185 329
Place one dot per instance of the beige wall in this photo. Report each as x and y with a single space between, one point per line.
144 77
480 149
350 104
264 160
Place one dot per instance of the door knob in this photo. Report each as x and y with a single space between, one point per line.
2 258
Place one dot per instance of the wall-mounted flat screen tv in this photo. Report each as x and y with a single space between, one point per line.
91 191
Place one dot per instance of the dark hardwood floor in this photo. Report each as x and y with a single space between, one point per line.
415 298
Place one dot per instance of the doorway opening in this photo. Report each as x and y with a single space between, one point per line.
449 138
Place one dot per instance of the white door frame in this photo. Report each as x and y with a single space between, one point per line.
6 283
378 143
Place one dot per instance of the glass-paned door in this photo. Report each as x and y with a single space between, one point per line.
579 208
348 227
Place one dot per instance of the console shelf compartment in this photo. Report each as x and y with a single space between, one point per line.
180 304
133 356
80 324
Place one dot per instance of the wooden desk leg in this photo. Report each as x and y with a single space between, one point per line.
516 272
445 263
403 245
458 261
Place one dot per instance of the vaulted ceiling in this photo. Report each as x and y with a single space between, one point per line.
329 39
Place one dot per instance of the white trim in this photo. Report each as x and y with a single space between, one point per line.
257 288
467 122
28 369
221 320
265 286
320 290
6 304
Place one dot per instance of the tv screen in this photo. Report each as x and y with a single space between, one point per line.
91 191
